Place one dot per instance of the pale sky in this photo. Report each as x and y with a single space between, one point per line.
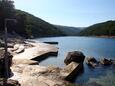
78 13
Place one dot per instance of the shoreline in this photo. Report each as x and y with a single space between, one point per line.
27 71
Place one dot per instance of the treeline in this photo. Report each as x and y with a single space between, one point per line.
69 31
26 24
7 10
35 26
100 29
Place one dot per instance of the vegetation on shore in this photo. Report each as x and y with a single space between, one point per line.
100 29
35 26
27 25
69 31
30 26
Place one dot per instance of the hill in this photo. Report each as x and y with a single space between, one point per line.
100 29
69 31
34 26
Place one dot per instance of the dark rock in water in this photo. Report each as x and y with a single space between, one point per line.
113 62
106 61
91 61
75 56
51 42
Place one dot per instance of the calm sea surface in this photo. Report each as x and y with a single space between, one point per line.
90 46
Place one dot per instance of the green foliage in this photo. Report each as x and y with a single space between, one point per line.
36 27
69 31
101 29
27 25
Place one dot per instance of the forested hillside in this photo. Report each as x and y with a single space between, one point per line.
69 31
35 26
25 24
100 29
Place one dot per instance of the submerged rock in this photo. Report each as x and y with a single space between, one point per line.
92 84
113 62
91 61
106 61
75 56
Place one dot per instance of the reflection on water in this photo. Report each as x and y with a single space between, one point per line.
97 47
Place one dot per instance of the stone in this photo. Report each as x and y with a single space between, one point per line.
24 61
33 81
13 83
91 61
113 62
106 61
10 82
70 70
75 56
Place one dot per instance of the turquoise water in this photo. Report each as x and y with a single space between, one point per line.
90 46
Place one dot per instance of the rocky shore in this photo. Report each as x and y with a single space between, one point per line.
28 72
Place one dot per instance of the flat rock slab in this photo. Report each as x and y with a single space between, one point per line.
69 70
24 61
33 75
38 50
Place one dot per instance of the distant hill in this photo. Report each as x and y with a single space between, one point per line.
29 25
69 31
100 29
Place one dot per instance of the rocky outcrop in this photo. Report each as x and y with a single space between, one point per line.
75 56
35 75
91 61
74 62
106 61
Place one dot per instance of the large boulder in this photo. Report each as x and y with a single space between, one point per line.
75 56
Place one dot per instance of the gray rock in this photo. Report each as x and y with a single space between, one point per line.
91 61
106 61
75 56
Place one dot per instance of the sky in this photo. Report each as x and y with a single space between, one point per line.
78 13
